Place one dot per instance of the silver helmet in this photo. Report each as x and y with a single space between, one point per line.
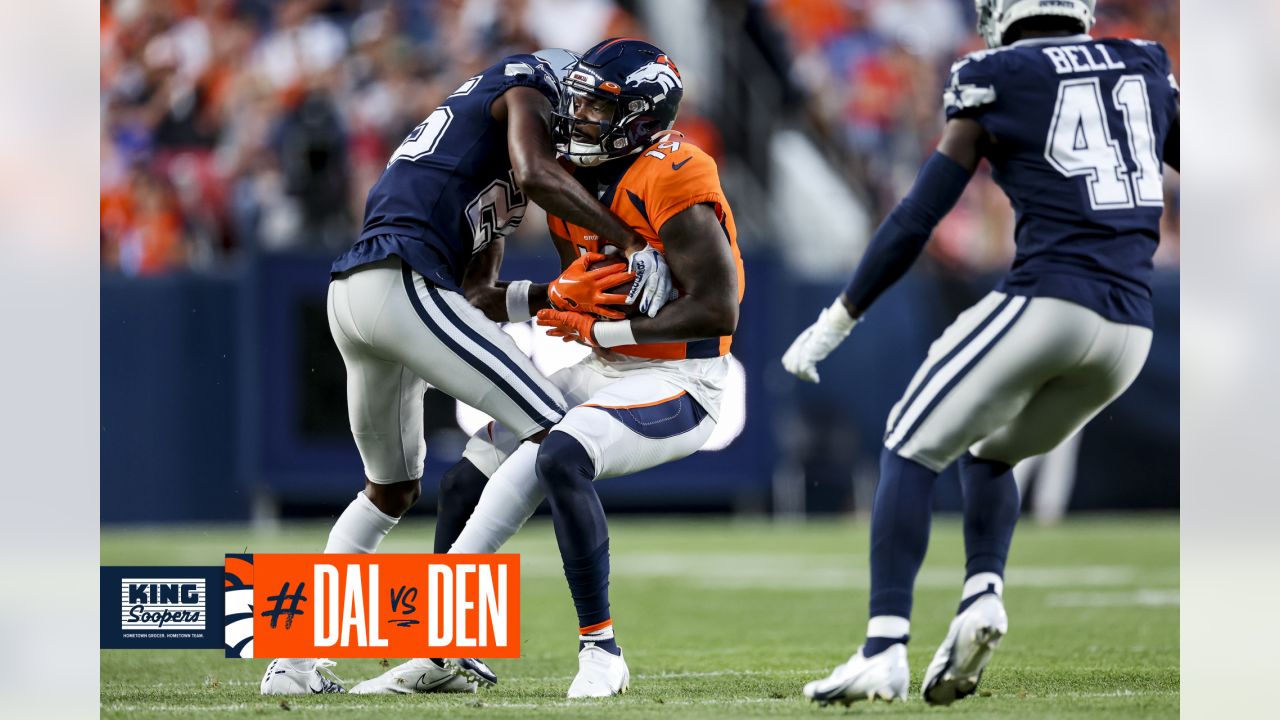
996 16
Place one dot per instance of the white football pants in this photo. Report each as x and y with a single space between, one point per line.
626 424
397 333
1012 377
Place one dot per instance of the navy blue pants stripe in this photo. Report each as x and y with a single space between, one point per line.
964 372
494 350
942 362
494 377
664 420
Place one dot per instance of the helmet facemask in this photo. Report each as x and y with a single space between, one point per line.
590 126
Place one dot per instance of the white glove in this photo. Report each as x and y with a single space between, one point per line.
653 280
817 341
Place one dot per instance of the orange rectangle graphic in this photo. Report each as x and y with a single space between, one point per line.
347 606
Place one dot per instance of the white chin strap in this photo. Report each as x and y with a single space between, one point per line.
585 155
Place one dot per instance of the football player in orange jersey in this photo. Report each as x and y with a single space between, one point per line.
650 392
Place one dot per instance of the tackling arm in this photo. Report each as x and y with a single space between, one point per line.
500 300
528 116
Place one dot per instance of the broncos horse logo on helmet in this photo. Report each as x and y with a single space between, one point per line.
661 71
995 17
617 98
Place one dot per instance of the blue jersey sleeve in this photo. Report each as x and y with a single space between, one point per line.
971 91
526 71
1163 63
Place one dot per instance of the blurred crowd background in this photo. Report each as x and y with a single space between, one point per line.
240 138
255 125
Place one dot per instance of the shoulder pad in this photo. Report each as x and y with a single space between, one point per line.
972 84
974 57
518 68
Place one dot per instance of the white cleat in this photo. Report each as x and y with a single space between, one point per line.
883 676
420 675
973 638
287 676
600 674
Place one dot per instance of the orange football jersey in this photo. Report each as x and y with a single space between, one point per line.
669 177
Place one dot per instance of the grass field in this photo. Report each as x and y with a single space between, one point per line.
727 619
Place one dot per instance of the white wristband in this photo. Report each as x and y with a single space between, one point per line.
837 316
613 334
518 301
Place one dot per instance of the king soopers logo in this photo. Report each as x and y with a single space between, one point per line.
162 604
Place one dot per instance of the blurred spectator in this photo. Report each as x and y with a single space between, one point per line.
233 125
260 125
875 69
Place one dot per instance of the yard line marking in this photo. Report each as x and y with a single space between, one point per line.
623 700
809 572
1142 597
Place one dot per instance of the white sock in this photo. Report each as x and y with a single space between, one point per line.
360 528
604 633
982 583
888 626
510 497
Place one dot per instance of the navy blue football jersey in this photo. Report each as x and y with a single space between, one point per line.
449 190
1079 127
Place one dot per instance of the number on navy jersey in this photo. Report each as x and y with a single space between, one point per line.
496 212
1080 143
424 138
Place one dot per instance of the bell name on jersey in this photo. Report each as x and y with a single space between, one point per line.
1079 127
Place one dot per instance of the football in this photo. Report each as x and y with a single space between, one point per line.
620 265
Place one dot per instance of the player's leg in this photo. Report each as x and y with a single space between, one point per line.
977 376
392 318
441 337
1056 412
455 348
462 485
633 424
1094 376
502 467
384 401
509 494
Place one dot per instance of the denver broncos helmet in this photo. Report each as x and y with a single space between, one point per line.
633 90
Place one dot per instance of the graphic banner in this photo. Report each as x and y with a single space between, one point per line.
317 605
343 606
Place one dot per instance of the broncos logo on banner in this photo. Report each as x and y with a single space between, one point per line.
238 620
661 71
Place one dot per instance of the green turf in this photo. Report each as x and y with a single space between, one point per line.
727 619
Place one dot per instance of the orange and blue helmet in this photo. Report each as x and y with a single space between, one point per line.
626 90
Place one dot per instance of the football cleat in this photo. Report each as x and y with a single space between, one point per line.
423 675
972 639
883 676
600 674
474 670
300 677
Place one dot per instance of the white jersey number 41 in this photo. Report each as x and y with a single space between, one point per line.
1080 143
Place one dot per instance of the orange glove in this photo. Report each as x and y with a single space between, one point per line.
582 290
569 325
